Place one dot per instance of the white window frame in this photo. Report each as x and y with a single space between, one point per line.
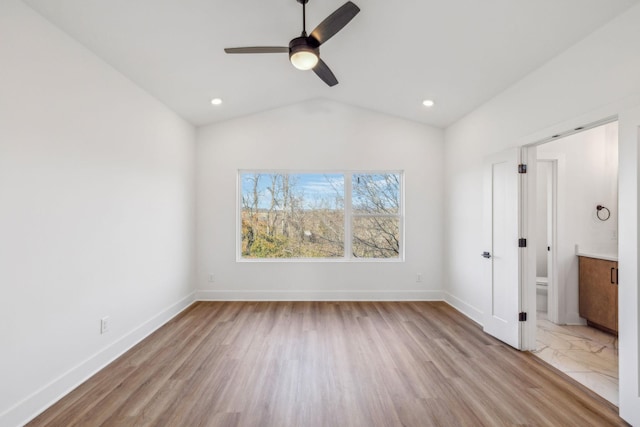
349 215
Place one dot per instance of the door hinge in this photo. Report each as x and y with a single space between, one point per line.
522 168
522 243
522 316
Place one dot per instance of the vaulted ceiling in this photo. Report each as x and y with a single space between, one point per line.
394 54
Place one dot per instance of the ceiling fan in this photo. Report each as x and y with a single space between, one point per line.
304 51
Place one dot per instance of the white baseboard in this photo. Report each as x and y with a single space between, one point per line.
468 310
219 295
574 319
37 402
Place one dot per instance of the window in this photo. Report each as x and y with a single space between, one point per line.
375 215
306 216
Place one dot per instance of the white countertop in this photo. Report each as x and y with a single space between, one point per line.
607 257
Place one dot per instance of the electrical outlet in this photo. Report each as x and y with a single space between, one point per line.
104 325
419 277
211 278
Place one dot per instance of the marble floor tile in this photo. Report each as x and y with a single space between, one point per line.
586 354
606 387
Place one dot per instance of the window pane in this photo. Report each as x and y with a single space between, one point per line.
292 215
376 193
376 237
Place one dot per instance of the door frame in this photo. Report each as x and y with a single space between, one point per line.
528 283
627 112
528 217
628 258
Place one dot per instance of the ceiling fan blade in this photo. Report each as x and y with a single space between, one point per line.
257 49
322 70
335 22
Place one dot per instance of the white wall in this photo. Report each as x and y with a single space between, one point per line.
578 86
589 175
96 212
319 135
592 80
591 178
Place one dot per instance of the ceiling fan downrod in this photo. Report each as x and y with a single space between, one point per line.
304 16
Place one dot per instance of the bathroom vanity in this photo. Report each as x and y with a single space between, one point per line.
598 291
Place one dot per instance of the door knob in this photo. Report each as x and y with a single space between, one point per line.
486 255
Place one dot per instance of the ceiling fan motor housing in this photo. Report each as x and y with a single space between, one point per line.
304 44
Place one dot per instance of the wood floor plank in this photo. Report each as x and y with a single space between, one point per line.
327 364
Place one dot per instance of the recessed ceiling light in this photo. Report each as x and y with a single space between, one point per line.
216 101
428 103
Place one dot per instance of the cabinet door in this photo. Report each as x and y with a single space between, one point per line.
598 292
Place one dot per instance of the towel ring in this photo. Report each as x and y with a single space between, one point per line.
601 208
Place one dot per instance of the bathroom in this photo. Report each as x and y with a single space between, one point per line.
577 244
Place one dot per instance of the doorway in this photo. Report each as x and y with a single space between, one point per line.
576 180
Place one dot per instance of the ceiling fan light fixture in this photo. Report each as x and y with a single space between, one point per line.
304 60
303 53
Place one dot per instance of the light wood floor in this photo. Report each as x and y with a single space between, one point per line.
327 364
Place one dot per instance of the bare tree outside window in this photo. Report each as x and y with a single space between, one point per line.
376 215
302 215
292 215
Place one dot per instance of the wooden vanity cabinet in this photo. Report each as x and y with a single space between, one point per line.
599 293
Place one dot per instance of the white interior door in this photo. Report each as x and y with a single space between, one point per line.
549 238
501 234
553 285
555 225
628 258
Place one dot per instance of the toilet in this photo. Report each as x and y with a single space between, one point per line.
542 286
